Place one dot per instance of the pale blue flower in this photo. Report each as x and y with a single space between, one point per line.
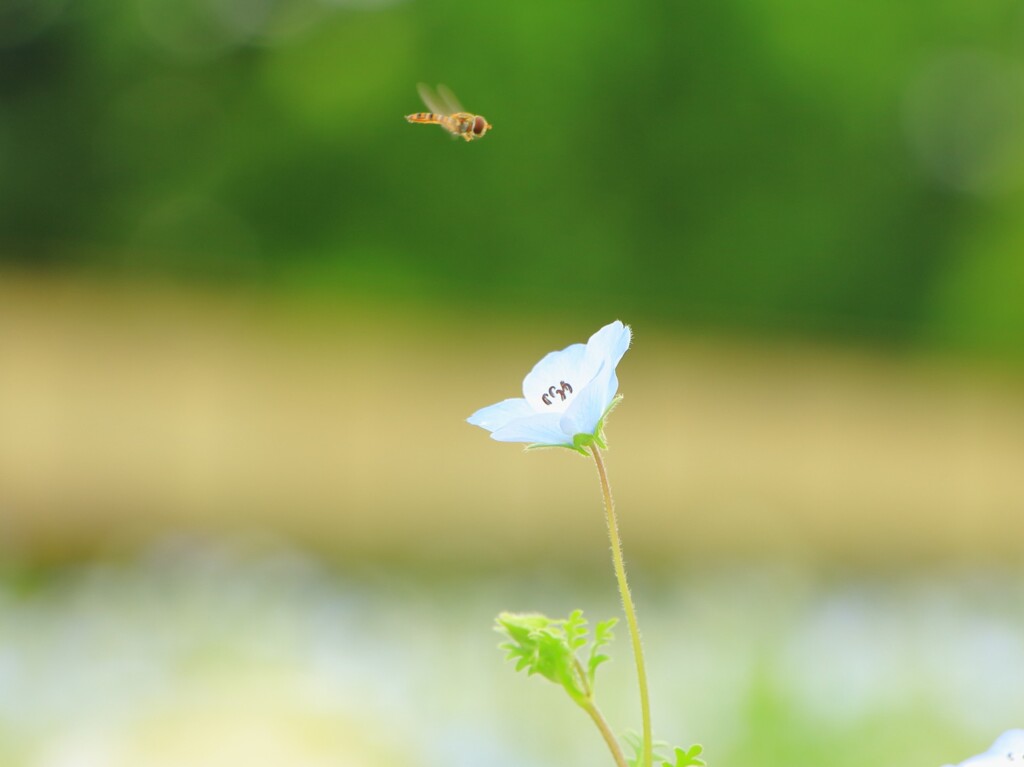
565 397
1007 751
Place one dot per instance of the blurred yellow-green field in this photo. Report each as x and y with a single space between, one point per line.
132 411
246 309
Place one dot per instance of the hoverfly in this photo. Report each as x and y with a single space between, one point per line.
446 111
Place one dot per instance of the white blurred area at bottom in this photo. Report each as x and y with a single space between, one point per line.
216 655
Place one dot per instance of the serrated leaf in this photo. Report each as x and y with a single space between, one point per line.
602 636
540 645
603 631
576 629
636 743
688 758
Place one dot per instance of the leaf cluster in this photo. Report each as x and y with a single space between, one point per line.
552 648
549 647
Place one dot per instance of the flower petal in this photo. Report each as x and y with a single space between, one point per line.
498 416
549 376
610 342
539 428
565 394
590 404
1008 747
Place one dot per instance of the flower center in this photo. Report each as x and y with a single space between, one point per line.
562 391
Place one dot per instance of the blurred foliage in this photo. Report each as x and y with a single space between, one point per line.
851 170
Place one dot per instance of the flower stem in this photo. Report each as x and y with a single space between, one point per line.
586 702
606 732
627 606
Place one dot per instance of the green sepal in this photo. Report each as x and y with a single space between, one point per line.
608 411
598 435
538 446
581 442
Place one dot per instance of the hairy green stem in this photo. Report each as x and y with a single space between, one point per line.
627 606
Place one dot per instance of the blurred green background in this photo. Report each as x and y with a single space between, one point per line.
850 171
245 308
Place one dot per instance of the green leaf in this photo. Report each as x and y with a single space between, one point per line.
576 630
687 758
684 758
636 743
602 636
539 645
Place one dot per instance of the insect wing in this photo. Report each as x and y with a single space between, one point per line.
434 104
448 99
